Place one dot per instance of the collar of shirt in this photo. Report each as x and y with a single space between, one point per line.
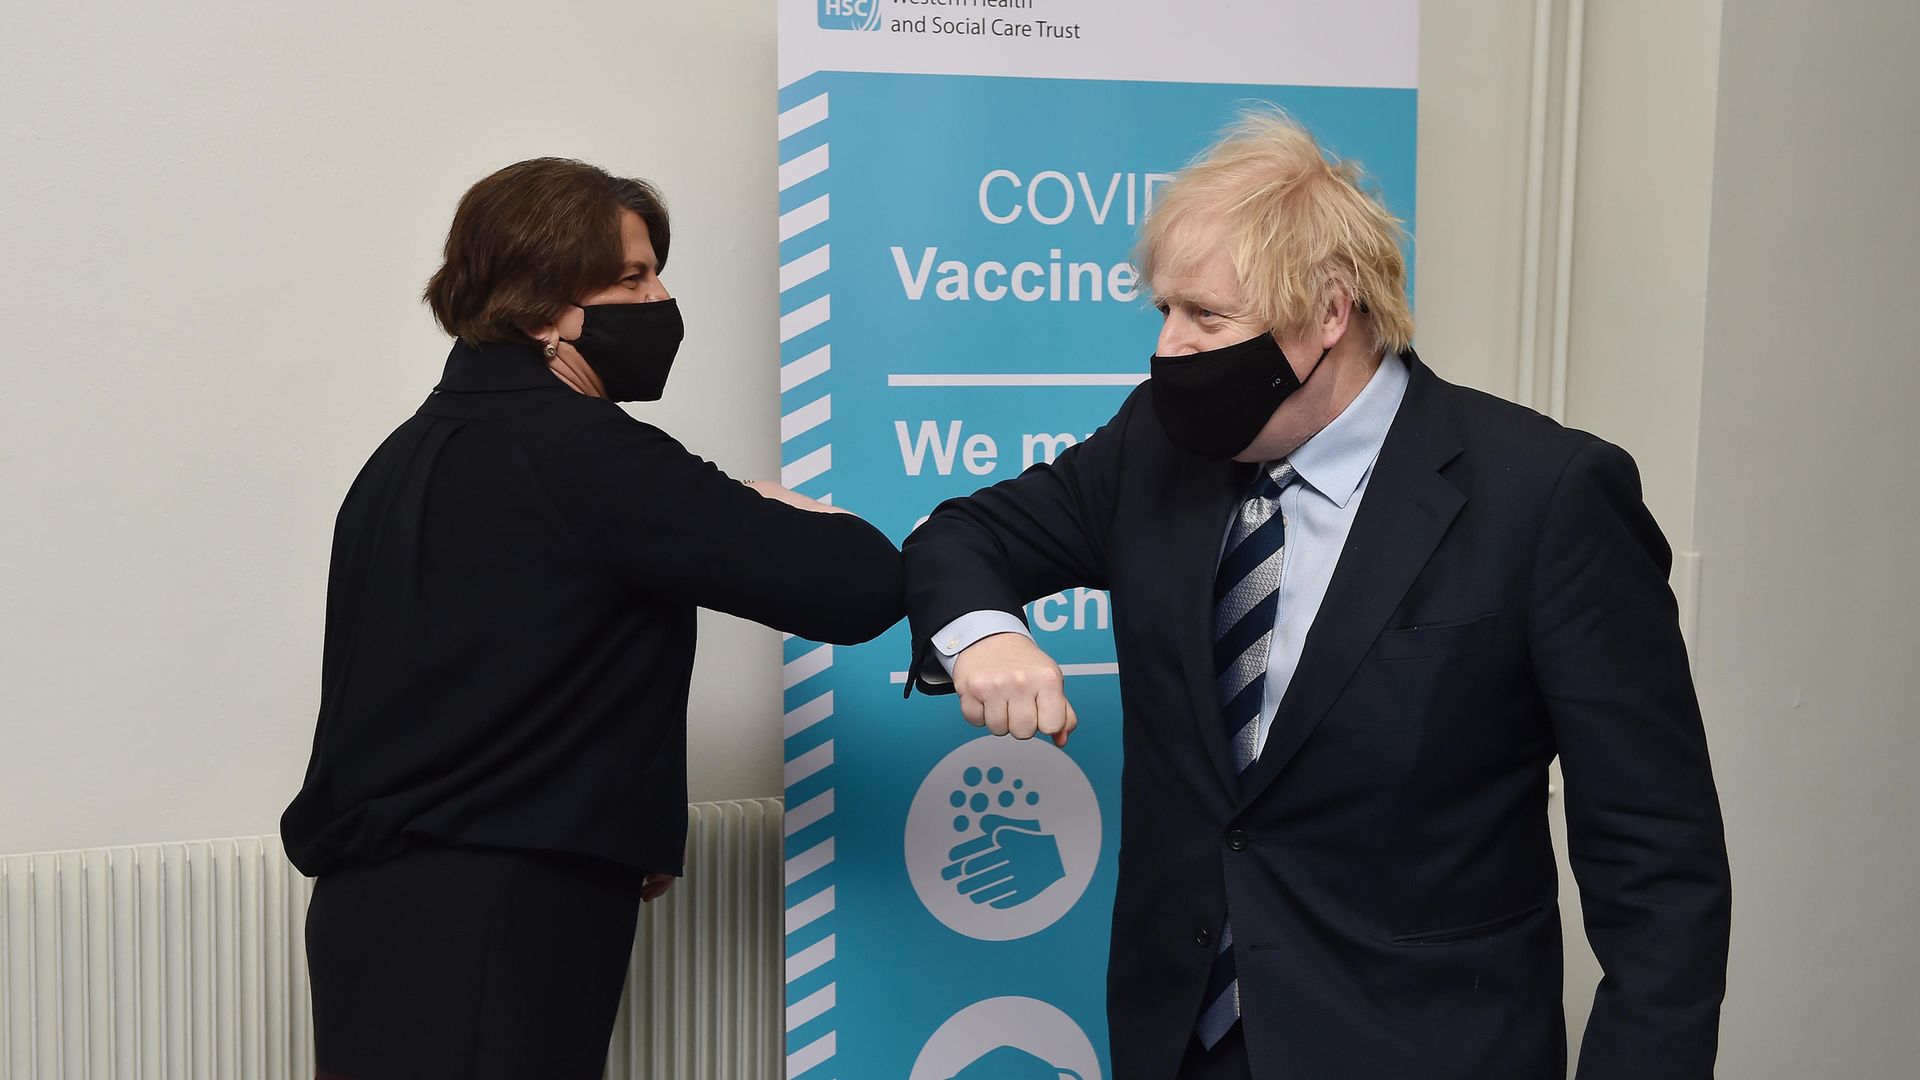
1335 461
496 365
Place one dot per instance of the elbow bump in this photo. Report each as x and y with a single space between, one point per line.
871 611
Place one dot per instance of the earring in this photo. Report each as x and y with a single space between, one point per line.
552 350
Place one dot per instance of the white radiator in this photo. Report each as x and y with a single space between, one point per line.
705 996
186 962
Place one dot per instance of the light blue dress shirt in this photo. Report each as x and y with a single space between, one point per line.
1334 468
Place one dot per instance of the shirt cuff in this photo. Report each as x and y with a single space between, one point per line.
957 636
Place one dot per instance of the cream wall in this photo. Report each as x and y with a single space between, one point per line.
1644 198
1474 80
1806 521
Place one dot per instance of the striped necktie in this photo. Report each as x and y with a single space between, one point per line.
1246 608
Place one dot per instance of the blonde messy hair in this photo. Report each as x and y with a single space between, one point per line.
1295 223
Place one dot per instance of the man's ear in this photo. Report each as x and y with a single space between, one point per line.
1336 316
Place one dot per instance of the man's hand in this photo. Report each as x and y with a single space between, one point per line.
573 369
1010 687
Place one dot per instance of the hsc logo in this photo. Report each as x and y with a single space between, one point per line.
849 14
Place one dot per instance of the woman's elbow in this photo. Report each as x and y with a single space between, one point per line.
848 588
871 599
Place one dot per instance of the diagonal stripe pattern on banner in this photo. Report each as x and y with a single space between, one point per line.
806 307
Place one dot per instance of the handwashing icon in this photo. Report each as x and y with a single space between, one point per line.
1014 859
1002 840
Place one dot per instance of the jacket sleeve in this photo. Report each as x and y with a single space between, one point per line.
1042 531
672 525
1644 829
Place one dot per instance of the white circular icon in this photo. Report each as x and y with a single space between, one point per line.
1008 1038
1002 838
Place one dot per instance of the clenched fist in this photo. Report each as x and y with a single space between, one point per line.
1010 687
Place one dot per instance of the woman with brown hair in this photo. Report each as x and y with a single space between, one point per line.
499 768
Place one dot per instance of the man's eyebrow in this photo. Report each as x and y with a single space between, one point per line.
1196 297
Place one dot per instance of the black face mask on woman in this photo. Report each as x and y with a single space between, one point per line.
631 346
1214 403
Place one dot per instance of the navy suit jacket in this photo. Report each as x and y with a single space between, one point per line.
1502 599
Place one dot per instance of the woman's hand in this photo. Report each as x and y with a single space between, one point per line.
774 491
654 886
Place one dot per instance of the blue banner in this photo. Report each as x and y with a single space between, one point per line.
958 304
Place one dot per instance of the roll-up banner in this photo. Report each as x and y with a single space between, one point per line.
960 188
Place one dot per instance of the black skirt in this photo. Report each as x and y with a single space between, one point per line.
469 964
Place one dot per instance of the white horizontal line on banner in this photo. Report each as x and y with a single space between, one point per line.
1113 378
899 678
803 116
814 1005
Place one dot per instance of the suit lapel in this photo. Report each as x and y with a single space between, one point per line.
1207 495
1406 511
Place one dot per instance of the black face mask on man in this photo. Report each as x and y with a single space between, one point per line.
631 346
1214 403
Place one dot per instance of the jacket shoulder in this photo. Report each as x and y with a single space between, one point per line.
576 421
1526 440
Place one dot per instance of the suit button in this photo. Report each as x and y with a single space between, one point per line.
1203 937
1237 840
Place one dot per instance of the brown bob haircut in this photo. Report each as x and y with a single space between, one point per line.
531 239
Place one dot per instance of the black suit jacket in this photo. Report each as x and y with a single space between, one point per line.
1502 599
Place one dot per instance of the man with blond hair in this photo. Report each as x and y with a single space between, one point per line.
1358 611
